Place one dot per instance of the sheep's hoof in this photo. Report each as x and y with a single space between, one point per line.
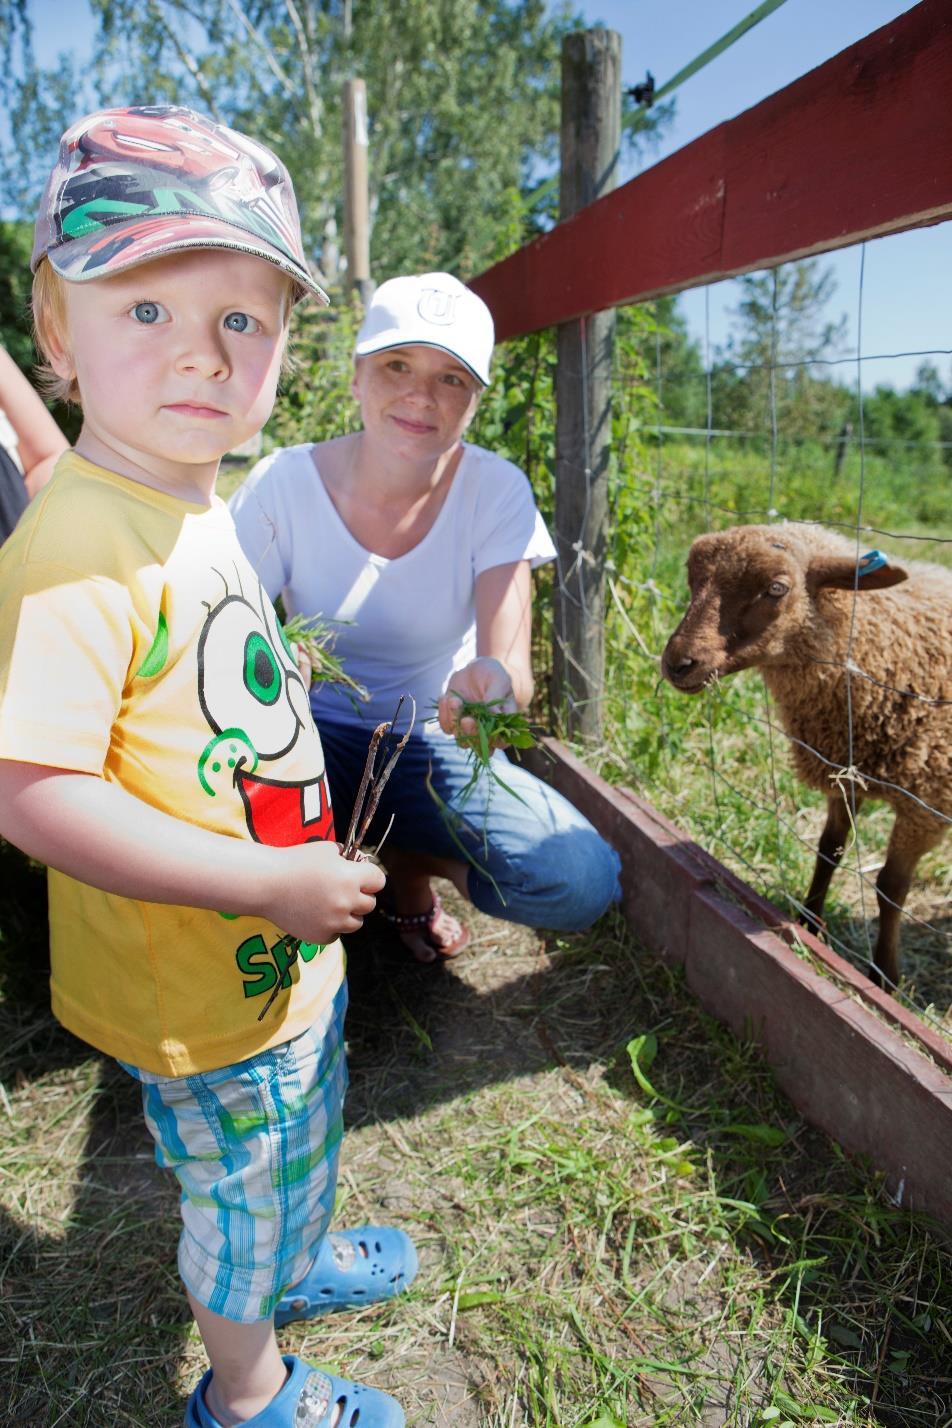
882 979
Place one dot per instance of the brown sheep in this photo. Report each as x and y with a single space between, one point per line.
781 599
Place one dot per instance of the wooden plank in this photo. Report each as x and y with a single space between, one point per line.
842 1069
356 188
591 138
859 147
845 1069
662 867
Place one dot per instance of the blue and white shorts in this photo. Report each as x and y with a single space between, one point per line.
255 1149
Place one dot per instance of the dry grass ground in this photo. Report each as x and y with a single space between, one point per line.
597 1250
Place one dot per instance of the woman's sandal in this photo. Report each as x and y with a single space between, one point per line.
433 936
308 1399
352 1268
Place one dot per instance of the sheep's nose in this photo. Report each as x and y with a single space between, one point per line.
677 669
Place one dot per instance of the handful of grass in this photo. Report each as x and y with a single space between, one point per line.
315 639
494 727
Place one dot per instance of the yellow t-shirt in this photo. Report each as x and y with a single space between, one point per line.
137 644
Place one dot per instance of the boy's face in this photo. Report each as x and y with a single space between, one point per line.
177 363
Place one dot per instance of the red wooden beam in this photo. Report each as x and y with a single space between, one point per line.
879 1093
860 147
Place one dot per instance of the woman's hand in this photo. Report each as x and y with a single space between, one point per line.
483 681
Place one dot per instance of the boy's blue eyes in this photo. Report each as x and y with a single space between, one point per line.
241 322
149 313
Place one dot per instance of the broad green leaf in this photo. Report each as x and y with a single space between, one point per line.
477 1297
760 1134
642 1051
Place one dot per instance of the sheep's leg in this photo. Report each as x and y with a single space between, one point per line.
833 840
907 844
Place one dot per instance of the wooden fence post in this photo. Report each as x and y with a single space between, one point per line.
591 131
356 196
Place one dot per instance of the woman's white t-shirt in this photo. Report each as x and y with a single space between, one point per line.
407 622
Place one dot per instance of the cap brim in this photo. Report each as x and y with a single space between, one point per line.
385 341
114 249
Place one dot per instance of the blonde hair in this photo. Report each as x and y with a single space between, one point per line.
51 332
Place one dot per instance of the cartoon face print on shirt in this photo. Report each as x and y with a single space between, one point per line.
256 704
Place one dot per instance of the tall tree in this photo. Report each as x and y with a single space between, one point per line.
769 368
463 100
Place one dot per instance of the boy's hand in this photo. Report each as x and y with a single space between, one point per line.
96 832
317 895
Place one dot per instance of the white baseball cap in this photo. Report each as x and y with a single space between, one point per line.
432 310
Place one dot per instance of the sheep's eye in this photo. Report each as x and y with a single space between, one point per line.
776 588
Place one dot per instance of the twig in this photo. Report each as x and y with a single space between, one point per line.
874 1392
362 816
365 806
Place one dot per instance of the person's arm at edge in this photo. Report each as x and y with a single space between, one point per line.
101 835
39 440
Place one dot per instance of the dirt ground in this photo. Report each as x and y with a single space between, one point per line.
591 1257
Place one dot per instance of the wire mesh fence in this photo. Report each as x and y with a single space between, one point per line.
764 821
813 449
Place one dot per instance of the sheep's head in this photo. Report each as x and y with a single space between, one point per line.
753 590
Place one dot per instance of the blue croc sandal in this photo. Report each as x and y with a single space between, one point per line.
309 1399
352 1268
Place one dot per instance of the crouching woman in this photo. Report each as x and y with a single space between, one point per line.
423 545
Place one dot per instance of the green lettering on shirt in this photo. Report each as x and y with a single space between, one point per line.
254 961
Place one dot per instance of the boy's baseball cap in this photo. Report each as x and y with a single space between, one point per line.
131 185
432 309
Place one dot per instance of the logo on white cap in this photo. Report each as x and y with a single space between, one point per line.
437 306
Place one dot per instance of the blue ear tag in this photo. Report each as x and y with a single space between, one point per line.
872 560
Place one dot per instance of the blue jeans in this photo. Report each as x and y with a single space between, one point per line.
532 859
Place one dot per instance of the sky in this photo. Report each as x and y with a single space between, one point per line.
906 294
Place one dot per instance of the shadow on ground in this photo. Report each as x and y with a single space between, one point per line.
92 1320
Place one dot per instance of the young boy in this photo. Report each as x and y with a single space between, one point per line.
157 750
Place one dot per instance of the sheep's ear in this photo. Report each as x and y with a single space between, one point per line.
838 572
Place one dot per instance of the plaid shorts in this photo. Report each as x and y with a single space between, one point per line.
255 1149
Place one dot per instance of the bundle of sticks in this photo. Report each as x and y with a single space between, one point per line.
372 784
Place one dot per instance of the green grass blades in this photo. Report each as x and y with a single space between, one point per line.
495 728
591 1257
315 639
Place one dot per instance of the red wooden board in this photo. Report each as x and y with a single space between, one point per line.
859 147
846 1070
